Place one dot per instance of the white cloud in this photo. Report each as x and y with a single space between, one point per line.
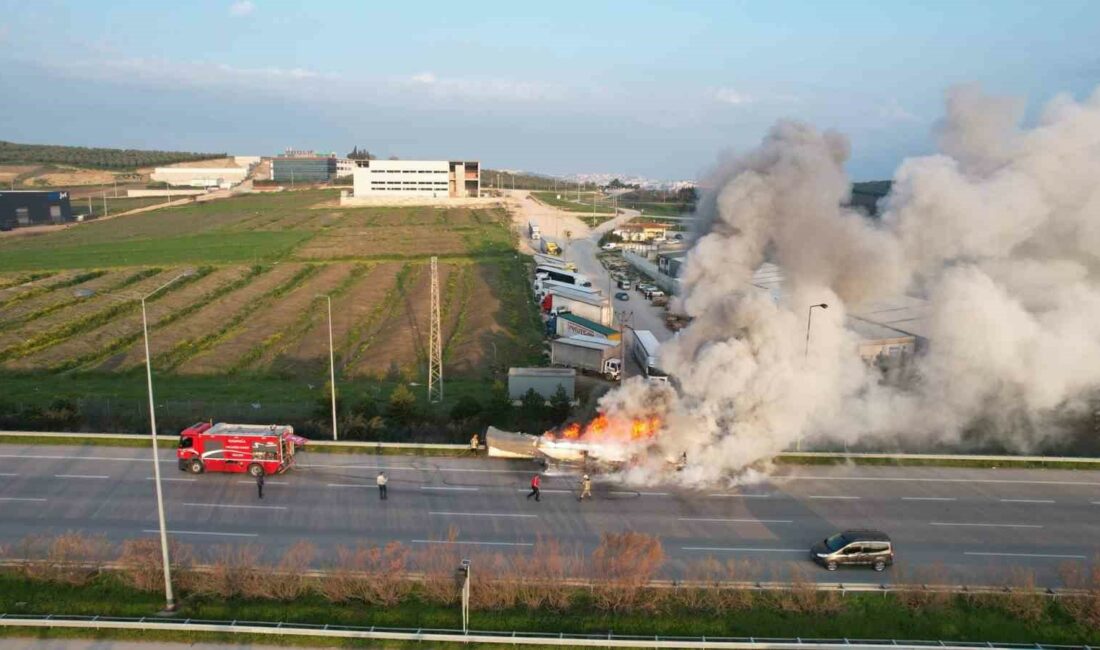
242 8
475 89
732 97
893 111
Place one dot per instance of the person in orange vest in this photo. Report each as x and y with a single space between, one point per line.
536 488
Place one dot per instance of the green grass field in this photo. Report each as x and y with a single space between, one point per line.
656 209
855 616
568 202
248 329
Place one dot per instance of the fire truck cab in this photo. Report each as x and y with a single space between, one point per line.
254 448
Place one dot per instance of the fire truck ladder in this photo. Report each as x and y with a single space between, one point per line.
435 342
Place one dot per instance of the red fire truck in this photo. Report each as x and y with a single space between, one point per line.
253 448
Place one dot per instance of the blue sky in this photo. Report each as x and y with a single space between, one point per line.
655 89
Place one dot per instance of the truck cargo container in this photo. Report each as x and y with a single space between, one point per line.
645 348
533 231
544 381
543 286
594 308
569 324
591 354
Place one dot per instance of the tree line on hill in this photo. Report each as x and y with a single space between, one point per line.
94 157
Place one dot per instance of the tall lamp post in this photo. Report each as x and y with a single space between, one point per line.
806 353
169 598
331 364
809 318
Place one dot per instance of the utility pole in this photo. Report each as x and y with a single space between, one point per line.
331 366
105 212
435 341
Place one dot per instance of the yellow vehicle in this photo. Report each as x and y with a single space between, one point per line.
552 248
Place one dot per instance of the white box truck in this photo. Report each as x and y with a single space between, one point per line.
590 354
533 231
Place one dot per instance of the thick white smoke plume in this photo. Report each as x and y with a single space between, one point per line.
1000 233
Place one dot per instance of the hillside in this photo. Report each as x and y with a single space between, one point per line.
12 153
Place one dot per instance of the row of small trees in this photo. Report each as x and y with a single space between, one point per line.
94 157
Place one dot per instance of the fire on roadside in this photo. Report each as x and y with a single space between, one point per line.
609 429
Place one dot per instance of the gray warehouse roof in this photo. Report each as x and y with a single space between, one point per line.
542 372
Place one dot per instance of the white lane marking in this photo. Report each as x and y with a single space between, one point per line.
1096 503
1050 555
179 480
741 496
445 541
928 499
1027 500
955 523
201 532
744 549
643 494
479 514
738 521
401 468
95 476
449 488
925 479
840 497
21 499
230 505
546 491
266 482
7 474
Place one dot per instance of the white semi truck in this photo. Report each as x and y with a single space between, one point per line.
533 231
592 354
645 348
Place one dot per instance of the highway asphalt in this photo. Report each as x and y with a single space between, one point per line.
975 524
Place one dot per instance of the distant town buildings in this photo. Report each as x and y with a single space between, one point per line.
199 176
417 178
303 169
642 231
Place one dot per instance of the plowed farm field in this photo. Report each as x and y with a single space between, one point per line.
236 289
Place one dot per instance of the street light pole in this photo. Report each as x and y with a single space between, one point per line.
169 598
809 318
331 366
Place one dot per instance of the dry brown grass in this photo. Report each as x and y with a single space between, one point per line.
437 564
622 565
141 564
1084 577
413 241
289 580
373 575
69 558
922 596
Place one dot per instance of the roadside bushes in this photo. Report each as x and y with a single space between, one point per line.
617 577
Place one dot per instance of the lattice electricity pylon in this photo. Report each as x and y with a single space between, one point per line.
435 342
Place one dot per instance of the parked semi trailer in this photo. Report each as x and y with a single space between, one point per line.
645 348
590 354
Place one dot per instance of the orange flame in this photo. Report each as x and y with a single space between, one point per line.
609 429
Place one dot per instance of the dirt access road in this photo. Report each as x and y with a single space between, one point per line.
581 248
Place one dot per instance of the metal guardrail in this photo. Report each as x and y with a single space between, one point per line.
459 447
424 635
171 438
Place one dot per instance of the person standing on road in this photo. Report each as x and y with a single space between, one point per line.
382 480
586 488
475 442
536 488
260 484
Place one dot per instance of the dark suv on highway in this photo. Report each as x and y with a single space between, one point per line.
856 547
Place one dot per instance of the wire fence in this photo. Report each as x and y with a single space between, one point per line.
426 635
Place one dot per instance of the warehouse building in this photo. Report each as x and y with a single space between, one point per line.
199 176
544 381
417 178
312 169
33 208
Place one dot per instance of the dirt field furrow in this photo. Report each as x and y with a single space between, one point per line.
126 327
307 349
467 349
402 339
356 317
56 306
207 319
380 242
232 353
88 318
36 285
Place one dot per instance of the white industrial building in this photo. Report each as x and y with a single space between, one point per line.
417 178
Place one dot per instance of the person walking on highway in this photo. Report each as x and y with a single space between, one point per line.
474 443
586 488
382 480
260 484
536 488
